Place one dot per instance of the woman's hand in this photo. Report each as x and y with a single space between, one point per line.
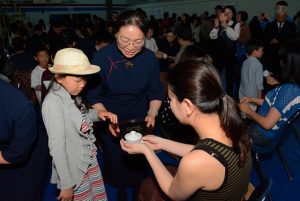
134 148
153 142
245 99
104 115
150 119
271 81
66 195
244 107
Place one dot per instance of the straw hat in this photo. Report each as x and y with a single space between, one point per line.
72 61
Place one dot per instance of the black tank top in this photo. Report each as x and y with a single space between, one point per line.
236 178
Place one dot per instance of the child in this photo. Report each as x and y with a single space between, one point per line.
69 126
252 72
42 57
150 43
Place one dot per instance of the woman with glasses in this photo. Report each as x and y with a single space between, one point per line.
130 87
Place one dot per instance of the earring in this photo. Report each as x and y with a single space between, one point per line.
188 115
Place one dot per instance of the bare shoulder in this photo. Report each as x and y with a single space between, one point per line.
198 158
207 171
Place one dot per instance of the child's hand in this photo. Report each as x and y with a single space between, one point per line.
114 129
104 115
66 195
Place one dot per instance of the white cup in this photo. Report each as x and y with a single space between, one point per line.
266 73
133 137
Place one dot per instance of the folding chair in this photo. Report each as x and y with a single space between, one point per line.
261 191
287 129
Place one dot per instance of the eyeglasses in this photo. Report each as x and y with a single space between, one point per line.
124 42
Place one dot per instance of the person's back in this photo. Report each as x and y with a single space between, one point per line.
252 72
286 100
235 183
251 78
23 144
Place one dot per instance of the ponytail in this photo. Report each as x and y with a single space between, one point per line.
235 128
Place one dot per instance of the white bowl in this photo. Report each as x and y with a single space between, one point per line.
133 137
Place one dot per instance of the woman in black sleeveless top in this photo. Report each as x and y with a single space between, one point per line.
218 167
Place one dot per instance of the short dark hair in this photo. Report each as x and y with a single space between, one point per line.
132 17
233 10
193 52
282 3
219 7
244 15
290 61
253 45
40 49
184 33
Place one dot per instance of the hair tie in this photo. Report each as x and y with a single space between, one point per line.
221 99
222 95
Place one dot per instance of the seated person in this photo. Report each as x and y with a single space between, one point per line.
222 153
280 103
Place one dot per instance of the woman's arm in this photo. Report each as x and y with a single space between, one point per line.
268 121
188 178
152 112
257 101
163 176
177 148
157 143
154 107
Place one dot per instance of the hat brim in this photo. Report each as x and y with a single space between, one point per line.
92 70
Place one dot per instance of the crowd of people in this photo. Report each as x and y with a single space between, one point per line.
167 73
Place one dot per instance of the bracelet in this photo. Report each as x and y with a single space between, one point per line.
155 112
